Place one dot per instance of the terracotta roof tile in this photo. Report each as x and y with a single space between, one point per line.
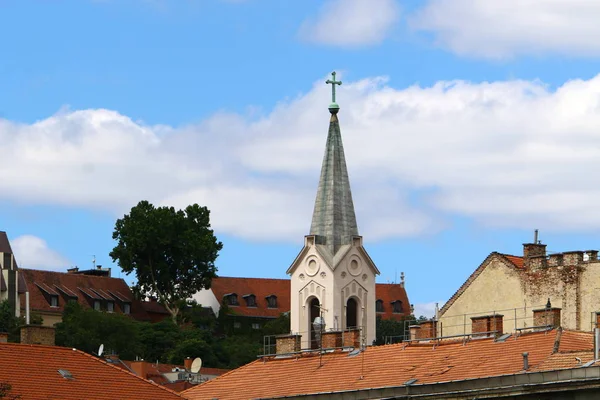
516 260
32 371
389 365
263 287
84 287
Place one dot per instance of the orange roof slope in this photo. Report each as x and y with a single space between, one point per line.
32 371
80 285
263 287
390 365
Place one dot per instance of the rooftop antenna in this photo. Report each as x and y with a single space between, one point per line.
196 365
94 261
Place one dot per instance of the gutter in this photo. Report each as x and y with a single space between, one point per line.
490 387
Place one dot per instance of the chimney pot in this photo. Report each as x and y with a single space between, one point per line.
187 363
525 361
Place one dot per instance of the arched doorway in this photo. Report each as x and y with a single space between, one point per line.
315 311
351 313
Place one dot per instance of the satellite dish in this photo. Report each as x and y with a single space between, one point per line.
196 365
100 350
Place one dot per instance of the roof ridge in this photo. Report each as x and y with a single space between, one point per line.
69 274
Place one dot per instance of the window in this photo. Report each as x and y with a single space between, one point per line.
126 308
97 305
379 306
397 306
110 306
237 325
53 301
232 300
255 325
250 300
272 301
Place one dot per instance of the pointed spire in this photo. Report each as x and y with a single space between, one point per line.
334 220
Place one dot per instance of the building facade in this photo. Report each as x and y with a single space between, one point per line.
513 287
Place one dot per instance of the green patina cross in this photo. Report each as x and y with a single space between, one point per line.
333 83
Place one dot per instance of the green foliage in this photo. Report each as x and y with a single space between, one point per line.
392 331
172 252
278 326
12 325
86 329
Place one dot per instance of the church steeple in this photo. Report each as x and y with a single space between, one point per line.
334 220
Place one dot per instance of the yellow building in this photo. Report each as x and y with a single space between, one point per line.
508 289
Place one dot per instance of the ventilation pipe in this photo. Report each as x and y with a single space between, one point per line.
27 307
525 361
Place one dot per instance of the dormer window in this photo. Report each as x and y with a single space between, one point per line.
272 301
397 306
250 300
231 299
379 306
53 301
110 306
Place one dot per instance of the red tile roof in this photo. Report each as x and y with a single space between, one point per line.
516 260
85 287
263 287
32 371
390 365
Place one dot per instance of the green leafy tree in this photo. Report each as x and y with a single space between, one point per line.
86 329
172 252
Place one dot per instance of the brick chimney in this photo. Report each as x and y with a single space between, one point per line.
332 339
414 331
534 254
487 325
572 257
187 363
288 343
548 316
427 329
141 368
37 334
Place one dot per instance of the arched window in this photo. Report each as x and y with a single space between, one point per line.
379 306
397 306
250 300
351 313
272 301
231 299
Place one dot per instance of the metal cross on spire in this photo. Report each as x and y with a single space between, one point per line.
333 82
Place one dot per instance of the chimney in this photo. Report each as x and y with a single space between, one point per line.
547 317
572 257
535 249
37 334
427 329
285 344
555 260
592 255
487 325
3 337
187 363
141 368
525 361
73 270
414 331
332 339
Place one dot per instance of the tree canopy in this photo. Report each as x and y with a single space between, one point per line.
172 252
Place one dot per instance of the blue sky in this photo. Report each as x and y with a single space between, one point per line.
467 124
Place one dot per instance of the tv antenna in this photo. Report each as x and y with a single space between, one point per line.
196 365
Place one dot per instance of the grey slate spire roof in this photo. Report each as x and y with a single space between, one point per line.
334 221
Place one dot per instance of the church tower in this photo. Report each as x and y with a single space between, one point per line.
333 277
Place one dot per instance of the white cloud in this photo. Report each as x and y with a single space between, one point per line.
500 29
351 22
33 252
506 154
425 309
